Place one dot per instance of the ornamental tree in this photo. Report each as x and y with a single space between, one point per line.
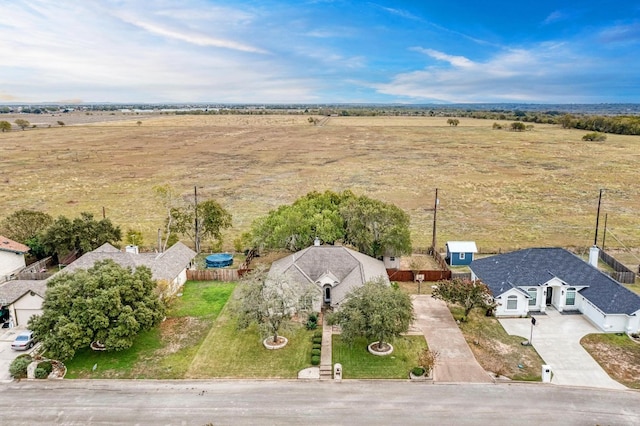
466 293
376 311
105 303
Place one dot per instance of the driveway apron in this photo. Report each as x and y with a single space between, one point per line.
556 337
456 362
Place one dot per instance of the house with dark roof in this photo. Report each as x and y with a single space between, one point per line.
537 279
11 257
333 271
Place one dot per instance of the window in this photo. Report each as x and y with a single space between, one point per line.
571 297
461 256
512 302
533 294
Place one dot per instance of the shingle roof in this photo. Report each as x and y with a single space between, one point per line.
11 291
349 267
536 266
9 245
164 266
462 246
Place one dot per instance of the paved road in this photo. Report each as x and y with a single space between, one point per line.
557 337
227 402
456 362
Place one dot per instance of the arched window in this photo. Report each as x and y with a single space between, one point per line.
571 297
512 302
533 296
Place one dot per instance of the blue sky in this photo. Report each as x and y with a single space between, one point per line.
320 51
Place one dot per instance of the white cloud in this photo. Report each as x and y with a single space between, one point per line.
456 61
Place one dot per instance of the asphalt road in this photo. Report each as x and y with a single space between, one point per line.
239 402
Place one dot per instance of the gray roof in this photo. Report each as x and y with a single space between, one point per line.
349 268
536 266
11 291
164 266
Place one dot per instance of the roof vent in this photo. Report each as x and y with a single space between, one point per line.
131 249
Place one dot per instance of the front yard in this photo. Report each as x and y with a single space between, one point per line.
618 355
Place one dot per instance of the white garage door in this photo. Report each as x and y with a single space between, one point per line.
23 315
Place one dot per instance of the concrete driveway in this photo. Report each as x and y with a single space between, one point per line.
7 355
556 337
456 362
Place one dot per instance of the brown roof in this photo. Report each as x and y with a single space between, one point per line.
12 246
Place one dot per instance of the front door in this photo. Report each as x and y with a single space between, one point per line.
549 295
327 295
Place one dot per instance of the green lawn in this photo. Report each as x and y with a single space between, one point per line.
229 352
358 363
167 350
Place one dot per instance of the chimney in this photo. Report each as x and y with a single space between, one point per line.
594 253
316 242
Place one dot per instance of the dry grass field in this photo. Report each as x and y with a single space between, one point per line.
503 189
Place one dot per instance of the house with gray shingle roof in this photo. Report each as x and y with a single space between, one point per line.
536 279
24 297
11 257
333 271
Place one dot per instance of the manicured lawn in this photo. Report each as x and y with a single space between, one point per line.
358 363
496 350
167 350
229 352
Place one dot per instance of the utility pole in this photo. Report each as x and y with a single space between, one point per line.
435 214
197 235
595 240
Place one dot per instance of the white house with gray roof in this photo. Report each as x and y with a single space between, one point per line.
333 270
536 279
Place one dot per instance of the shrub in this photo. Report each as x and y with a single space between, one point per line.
595 136
41 373
317 340
518 126
317 346
497 126
311 325
427 359
315 352
418 371
18 367
317 334
46 365
315 360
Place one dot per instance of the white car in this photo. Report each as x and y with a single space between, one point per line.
23 341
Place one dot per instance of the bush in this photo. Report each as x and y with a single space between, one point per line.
18 367
312 325
41 373
317 334
418 371
315 360
595 136
497 126
315 352
46 365
317 340
317 346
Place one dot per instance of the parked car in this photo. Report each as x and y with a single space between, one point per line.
23 341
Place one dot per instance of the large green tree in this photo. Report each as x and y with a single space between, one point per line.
376 311
83 234
466 293
24 225
106 303
373 227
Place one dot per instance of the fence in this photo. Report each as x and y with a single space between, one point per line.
407 276
216 274
622 274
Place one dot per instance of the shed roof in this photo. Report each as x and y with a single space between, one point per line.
12 246
536 266
462 246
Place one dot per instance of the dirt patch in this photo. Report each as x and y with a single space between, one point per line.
619 356
178 333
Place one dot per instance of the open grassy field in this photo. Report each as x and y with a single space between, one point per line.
503 189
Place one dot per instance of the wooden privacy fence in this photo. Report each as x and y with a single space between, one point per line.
622 274
407 276
216 274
